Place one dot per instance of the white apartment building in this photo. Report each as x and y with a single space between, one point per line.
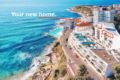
83 26
99 60
107 35
109 15
95 15
100 15
116 6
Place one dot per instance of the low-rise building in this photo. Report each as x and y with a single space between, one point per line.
107 35
83 26
116 6
98 59
103 14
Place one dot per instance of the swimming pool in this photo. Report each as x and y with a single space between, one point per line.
57 33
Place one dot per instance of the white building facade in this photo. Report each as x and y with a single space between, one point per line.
107 35
96 62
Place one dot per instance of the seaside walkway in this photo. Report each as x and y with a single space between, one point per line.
71 56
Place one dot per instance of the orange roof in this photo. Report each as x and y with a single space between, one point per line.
77 20
83 24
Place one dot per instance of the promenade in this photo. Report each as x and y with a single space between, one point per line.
72 57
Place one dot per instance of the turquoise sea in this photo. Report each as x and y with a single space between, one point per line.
23 38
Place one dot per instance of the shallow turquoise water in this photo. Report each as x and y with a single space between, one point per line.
23 38
57 33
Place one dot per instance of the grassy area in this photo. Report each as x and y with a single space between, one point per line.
83 74
83 9
61 70
41 71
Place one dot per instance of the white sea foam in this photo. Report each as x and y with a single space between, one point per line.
32 70
37 62
24 56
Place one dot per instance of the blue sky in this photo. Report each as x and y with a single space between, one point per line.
52 2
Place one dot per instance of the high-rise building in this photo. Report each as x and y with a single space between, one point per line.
103 15
98 15
95 15
116 6
109 15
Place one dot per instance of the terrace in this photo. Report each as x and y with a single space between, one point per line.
80 37
105 56
86 41
116 53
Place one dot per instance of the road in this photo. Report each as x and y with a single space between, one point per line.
71 56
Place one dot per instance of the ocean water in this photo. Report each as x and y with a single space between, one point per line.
23 38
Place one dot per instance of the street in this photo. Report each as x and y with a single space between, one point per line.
74 58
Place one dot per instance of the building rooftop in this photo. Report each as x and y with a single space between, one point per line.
105 56
110 27
84 24
77 20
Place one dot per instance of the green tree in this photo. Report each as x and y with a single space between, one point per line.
82 70
117 71
82 74
56 73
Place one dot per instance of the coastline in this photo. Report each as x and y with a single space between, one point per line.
36 63
24 48
82 14
46 51
72 11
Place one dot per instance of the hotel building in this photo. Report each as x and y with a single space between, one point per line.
116 6
98 15
107 35
99 43
89 50
105 32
